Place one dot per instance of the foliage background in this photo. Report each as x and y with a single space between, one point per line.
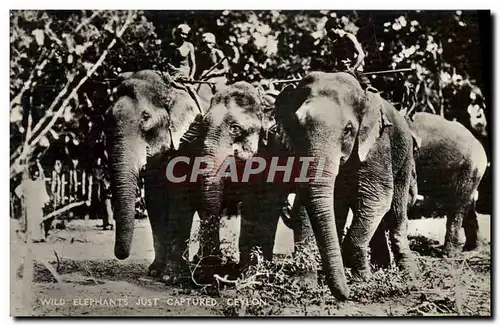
60 84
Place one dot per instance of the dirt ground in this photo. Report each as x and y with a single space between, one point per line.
94 283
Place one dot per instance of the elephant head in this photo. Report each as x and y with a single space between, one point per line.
330 118
233 127
146 121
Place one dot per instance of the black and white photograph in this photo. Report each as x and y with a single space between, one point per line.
251 163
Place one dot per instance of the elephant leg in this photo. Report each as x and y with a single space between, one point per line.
156 202
259 221
454 220
302 230
399 239
209 250
380 252
355 245
344 196
179 228
304 243
372 203
398 222
471 228
257 232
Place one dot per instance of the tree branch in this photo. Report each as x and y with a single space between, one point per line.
27 84
50 33
41 66
50 110
15 168
51 269
90 72
25 148
88 20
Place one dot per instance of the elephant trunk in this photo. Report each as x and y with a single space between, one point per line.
321 212
211 195
124 183
211 190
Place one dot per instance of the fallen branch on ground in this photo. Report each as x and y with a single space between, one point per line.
53 271
58 261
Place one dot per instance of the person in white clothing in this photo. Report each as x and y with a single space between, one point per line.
33 194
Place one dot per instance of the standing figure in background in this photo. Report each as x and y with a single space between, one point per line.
34 196
101 196
211 65
346 53
180 55
108 208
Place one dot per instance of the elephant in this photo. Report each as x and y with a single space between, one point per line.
368 149
450 164
143 131
234 127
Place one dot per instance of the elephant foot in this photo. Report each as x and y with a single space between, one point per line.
173 272
360 274
204 274
451 251
408 266
356 258
106 227
156 269
170 277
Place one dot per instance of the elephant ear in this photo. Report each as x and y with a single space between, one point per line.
373 122
267 114
277 140
287 103
195 134
290 99
268 124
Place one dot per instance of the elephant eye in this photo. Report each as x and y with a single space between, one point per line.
236 130
348 130
146 116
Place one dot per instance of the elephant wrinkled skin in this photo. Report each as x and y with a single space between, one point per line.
144 128
234 127
450 164
368 148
